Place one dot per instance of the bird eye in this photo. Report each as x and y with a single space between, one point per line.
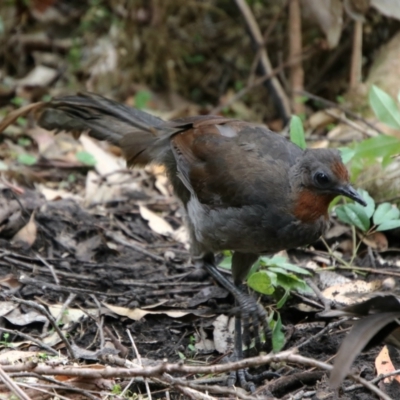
321 179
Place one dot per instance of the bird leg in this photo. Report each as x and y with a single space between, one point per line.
248 310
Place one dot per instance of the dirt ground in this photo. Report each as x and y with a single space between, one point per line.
107 262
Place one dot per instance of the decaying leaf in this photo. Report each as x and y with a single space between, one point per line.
384 365
27 235
351 292
328 14
224 328
137 313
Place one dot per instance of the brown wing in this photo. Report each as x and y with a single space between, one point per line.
234 163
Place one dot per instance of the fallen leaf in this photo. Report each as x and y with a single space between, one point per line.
39 76
351 292
27 234
15 355
15 317
377 241
137 313
384 365
223 333
156 223
6 307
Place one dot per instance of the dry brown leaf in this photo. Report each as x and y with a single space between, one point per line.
6 307
10 281
203 345
223 333
328 14
71 314
390 8
322 118
351 292
384 365
15 355
27 234
137 313
377 241
15 317
39 76
156 223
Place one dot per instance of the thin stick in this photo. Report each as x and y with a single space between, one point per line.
265 63
139 361
13 386
356 56
295 47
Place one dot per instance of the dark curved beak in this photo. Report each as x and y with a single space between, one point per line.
351 193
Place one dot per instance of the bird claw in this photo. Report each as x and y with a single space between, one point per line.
241 376
253 317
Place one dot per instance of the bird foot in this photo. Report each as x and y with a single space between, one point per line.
254 319
247 381
241 377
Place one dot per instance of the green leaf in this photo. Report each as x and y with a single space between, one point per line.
384 107
261 283
387 225
85 158
385 212
142 97
297 132
347 154
275 260
296 269
378 146
289 281
278 337
273 276
283 300
27 159
24 142
353 215
226 263
370 207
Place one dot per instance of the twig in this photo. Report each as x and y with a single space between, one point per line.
50 267
69 300
99 321
256 83
62 385
13 386
326 302
356 56
341 108
32 339
136 247
265 64
43 311
295 46
322 332
374 381
146 383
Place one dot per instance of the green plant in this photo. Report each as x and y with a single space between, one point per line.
274 276
385 216
27 159
116 389
142 97
86 158
297 132
191 345
380 148
43 356
5 340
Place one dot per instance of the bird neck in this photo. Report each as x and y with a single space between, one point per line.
310 206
